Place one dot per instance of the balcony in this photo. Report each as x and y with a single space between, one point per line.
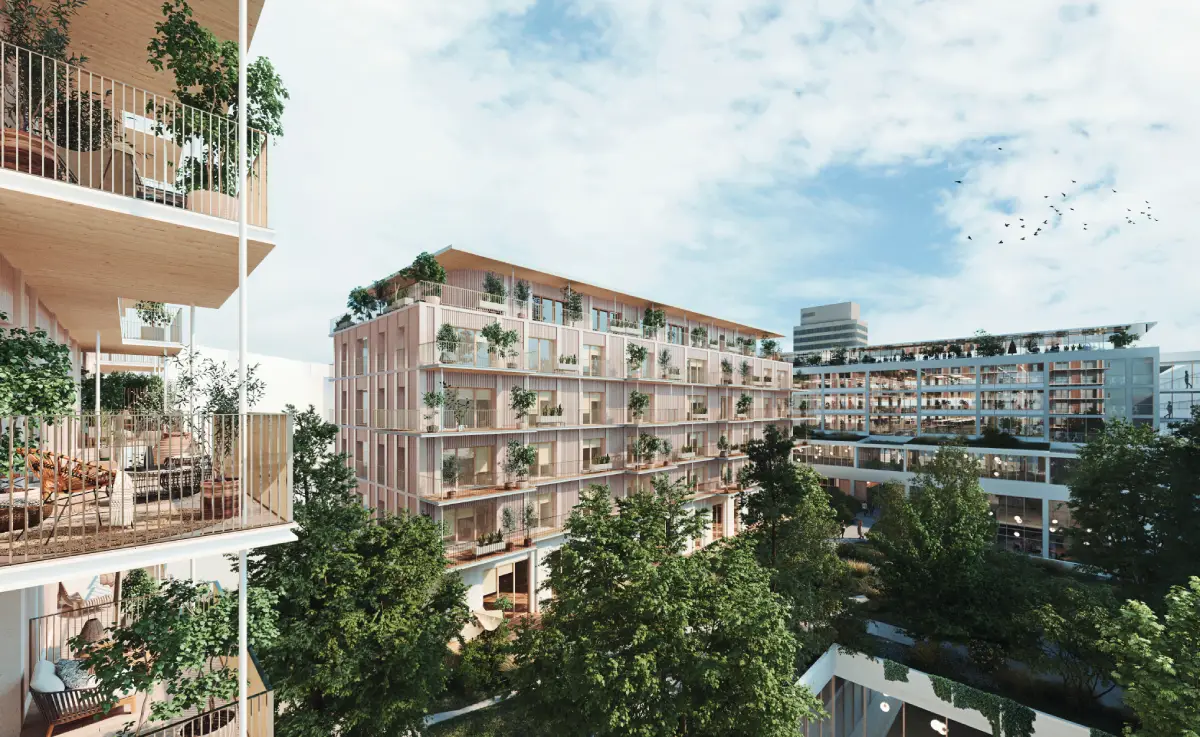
151 324
49 639
488 482
462 551
104 500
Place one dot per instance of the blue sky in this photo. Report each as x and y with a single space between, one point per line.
742 158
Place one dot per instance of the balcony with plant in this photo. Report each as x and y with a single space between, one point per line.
551 415
639 404
502 344
517 461
495 294
636 356
743 406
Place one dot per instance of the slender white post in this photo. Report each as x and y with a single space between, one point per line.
97 390
191 398
243 658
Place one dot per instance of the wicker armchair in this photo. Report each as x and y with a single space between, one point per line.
67 706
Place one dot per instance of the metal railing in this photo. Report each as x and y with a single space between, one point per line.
64 123
260 720
73 485
144 325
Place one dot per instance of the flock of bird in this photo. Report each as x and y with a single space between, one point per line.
1020 224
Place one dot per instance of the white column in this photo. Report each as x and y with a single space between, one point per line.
97 389
1046 526
243 658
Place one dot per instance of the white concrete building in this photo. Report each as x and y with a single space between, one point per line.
828 327
880 414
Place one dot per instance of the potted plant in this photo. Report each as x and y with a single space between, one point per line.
521 401
664 449
432 401
744 402
521 294
447 343
458 407
494 293
518 459
1122 338
572 305
745 370
644 449
727 476
205 71
652 321
619 326
601 463
636 357
488 543
664 363
723 446
450 469
769 349
529 517
504 604
551 416
501 342
639 402
508 523
699 336
343 322
567 363
726 371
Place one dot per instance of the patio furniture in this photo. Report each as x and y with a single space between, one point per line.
63 707
65 479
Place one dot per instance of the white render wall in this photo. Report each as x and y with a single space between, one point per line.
288 381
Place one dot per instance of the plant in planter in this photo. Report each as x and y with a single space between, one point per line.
838 357
644 448
447 343
745 370
727 369
181 642
450 471
432 401
727 477
1031 345
566 361
344 322
529 517
521 401
1122 338
522 293
572 305
664 362
493 286
517 461
459 407
427 274
744 402
653 321
636 356
362 304
723 446
36 376
639 402
769 348
504 604
152 313
205 70
988 345
745 476
508 523
601 463
501 342
699 336
664 449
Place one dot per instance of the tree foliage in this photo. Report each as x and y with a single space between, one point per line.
641 640
1073 620
1135 504
425 267
1158 662
120 390
367 604
35 373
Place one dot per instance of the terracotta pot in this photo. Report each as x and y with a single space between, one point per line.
450 493
509 546
529 542
221 499
510 485
30 154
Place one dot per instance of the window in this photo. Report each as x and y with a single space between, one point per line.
593 408
1143 401
381 352
675 334
593 360
547 310
698 406
697 371
545 402
696 440
1024 427
947 424
360 365
460 523
345 360
948 376
474 466
1143 371
542 357
1060 520
545 509
593 448
600 320
360 409
1013 373
544 466
480 409
1018 523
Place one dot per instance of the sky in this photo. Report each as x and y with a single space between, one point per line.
743 158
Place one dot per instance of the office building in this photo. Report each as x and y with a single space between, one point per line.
497 334
826 328
1177 387
104 237
867 420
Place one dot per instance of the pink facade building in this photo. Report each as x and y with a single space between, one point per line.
432 394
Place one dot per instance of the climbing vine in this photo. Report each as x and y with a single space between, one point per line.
1016 719
893 671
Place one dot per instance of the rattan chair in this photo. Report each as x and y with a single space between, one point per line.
68 706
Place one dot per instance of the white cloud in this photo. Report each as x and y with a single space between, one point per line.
675 163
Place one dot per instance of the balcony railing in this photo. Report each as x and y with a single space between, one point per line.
64 123
74 485
165 326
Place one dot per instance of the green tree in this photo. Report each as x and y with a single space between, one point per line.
641 640
935 542
425 267
1158 662
1135 508
362 601
1073 621
363 303
121 390
35 373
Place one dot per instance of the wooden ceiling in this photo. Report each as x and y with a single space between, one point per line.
81 259
113 35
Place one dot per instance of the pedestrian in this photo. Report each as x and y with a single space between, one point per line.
1187 379
860 528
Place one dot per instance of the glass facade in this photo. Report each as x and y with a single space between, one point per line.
1022 427
1013 373
883 459
1060 520
959 401
846 423
948 425
1022 400
904 425
894 403
1018 523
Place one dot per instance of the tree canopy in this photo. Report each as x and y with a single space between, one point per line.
641 640
367 605
1135 504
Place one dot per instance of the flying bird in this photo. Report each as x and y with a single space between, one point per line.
958 181
1006 225
969 238
1072 181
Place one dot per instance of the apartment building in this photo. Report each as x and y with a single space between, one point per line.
425 395
880 414
826 328
105 233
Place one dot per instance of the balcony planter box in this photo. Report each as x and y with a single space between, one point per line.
406 301
624 330
491 304
724 454
221 499
551 419
698 416
567 366
686 456
433 299
482 550
598 467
